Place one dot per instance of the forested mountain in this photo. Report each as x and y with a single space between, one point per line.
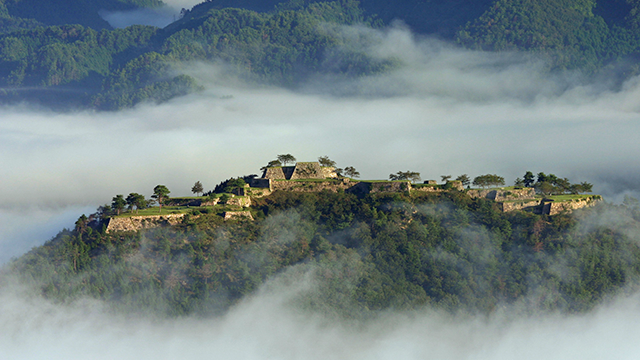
280 42
360 253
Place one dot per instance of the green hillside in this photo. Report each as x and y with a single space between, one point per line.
282 43
362 253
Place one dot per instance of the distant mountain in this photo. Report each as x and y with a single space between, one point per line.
281 42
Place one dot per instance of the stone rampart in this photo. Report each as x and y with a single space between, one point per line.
274 173
307 170
518 205
135 223
503 194
554 208
329 172
237 214
390 186
261 183
312 186
243 201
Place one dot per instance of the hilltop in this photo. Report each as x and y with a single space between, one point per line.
392 246
47 51
235 197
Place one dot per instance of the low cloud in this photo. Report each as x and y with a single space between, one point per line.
266 326
443 111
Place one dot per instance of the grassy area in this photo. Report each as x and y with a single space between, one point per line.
569 197
417 186
166 210
308 180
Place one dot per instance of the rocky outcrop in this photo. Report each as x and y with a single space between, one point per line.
136 223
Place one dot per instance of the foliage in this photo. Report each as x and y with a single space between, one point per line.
464 179
371 253
405 175
325 161
286 158
197 188
229 185
488 180
160 194
351 172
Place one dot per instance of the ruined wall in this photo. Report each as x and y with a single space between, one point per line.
427 189
313 186
503 195
261 183
135 223
390 186
307 170
329 172
237 214
273 173
554 208
518 205
243 201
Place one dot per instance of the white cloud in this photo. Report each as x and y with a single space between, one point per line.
444 111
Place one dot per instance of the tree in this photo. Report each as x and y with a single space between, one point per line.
135 200
464 179
286 158
405 175
351 172
272 163
542 177
519 182
325 161
197 188
118 203
445 178
81 224
488 180
528 179
160 193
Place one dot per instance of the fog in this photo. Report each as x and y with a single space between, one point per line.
159 17
266 326
444 111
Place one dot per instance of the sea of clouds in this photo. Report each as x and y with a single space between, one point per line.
444 111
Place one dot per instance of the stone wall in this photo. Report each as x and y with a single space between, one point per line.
243 201
261 183
554 208
135 223
518 205
503 195
274 173
390 186
312 186
329 172
307 170
237 214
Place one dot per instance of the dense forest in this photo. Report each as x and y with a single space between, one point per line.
49 50
361 254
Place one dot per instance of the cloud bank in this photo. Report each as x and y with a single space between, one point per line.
443 111
266 326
